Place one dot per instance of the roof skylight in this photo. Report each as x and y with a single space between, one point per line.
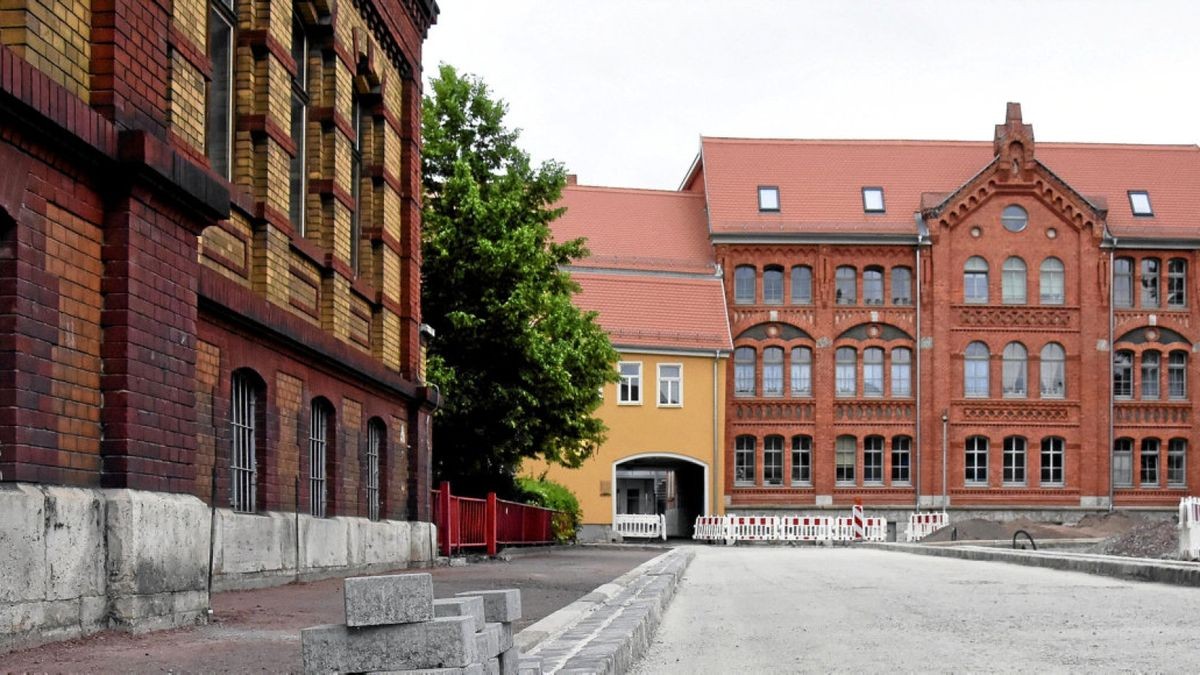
872 199
1139 203
768 198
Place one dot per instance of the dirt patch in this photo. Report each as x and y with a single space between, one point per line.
1125 534
1148 539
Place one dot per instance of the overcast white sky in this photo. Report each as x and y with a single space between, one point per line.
620 91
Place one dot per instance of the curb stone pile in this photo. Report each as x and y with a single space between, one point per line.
393 625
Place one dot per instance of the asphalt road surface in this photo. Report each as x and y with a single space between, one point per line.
761 609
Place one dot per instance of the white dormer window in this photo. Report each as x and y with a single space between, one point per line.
768 198
1139 203
872 199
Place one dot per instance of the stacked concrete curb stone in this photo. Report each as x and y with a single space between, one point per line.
393 625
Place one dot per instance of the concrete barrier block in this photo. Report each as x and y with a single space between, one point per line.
251 543
471 607
503 606
74 521
473 669
22 543
381 542
529 665
157 542
324 542
421 542
487 641
390 599
506 637
510 662
438 643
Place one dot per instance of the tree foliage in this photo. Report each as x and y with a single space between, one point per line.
519 366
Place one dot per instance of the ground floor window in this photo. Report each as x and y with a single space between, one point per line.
743 460
801 460
1177 462
1149 476
1123 462
844 460
976 461
1052 461
773 460
1014 460
873 460
901 459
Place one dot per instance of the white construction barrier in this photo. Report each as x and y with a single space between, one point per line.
1189 527
921 525
641 525
805 528
711 528
752 528
732 529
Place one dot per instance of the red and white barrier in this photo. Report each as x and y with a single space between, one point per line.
805 528
711 528
921 525
732 529
1189 527
752 528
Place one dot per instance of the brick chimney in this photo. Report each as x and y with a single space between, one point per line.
572 179
1014 143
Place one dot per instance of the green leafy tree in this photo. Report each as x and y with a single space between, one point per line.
519 366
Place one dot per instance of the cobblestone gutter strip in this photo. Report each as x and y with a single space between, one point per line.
608 629
1135 569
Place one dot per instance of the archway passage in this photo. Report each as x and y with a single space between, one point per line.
661 484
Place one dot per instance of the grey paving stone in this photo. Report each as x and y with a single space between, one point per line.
438 643
388 599
510 661
472 607
502 605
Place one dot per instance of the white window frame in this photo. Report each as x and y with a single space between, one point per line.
1139 203
1145 466
1014 282
743 458
1015 469
773 460
873 453
1177 462
802 446
667 381
975 471
632 380
1053 459
902 471
1123 462
844 472
1052 288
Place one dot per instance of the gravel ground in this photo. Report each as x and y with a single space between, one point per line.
1124 533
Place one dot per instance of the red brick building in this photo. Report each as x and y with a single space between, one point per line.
209 268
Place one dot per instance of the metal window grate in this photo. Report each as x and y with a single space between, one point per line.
318 427
242 466
374 450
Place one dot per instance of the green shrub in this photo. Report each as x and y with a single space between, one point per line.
552 495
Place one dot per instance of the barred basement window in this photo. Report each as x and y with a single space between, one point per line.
1014 460
773 460
1052 461
243 463
376 445
318 442
801 460
299 177
218 123
901 460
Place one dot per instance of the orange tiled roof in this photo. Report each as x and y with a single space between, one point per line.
637 229
661 312
820 182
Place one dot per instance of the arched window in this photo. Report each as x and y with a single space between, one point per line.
801 285
975 280
1013 282
1123 374
901 286
773 284
1176 283
873 286
845 379
1149 282
773 460
743 371
845 280
1053 367
1123 282
1123 462
1177 462
376 467
247 421
1151 369
1015 370
801 460
873 460
743 285
1014 218
975 370
1052 461
801 371
872 371
321 457
1149 465
901 371
976 461
844 451
743 460
1177 375
901 459
773 371
1014 460
1051 284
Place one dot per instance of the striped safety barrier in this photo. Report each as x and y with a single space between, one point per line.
921 525
732 529
805 528
711 528
641 525
1189 527
753 528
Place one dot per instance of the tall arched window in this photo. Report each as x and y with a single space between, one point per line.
873 460
975 280
772 371
1177 375
975 370
247 428
773 460
801 371
1149 474
873 286
976 461
1177 283
1013 282
872 371
801 285
1123 462
376 467
320 457
1053 367
901 286
901 371
1149 282
1015 370
743 371
846 285
801 460
901 459
1123 374
1051 282
1177 462
844 371
1151 369
1123 282
1014 460
773 284
743 460
743 285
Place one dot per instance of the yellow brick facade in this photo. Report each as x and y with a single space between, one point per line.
53 36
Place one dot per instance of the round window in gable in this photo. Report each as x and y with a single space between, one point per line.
1014 218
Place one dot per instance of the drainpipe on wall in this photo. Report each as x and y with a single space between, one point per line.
1112 469
945 455
917 391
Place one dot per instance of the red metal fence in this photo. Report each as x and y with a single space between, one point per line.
467 522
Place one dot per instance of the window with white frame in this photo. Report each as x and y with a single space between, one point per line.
873 460
1177 462
1139 203
872 199
768 198
901 460
975 370
901 286
845 377
670 384
801 285
1123 282
376 449
844 450
743 460
1015 370
872 371
1052 282
1123 462
1012 290
801 371
1149 474
1176 283
773 460
1123 374
773 285
1014 460
1150 374
845 281
1177 375
801 460
743 371
1053 371
318 445
901 371
1052 461
873 286
744 283
975 280
976 461
629 388
773 371
243 459
1149 282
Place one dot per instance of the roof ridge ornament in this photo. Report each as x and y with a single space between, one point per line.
1013 144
